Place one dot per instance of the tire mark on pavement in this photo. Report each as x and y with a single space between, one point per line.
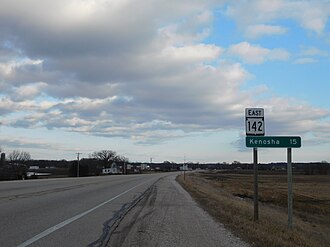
168 216
110 225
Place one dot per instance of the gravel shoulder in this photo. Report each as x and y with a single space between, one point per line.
168 216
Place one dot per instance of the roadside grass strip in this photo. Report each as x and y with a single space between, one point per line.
228 198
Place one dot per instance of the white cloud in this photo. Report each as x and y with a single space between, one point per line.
28 92
192 53
131 69
279 54
178 34
309 55
255 11
304 118
255 54
313 51
205 17
18 142
9 68
248 52
259 30
311 15
305 60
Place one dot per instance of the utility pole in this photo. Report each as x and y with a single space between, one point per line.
78 163
184 168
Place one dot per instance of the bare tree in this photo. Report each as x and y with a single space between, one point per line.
121 159
105 156
19 156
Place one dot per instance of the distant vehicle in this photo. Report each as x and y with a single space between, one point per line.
33 174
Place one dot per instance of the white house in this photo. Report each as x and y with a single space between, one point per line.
113 170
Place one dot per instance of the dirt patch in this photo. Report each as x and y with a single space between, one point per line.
228 198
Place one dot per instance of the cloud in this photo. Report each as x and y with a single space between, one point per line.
255 54
313 51
305 60
308 55
290 116
257 31
136 70
311 15
187 101
192 53
22 143
28 92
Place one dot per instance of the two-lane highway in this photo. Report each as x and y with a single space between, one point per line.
133 210
66 212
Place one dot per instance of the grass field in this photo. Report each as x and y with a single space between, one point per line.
228 197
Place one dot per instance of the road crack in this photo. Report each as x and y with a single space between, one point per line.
111 225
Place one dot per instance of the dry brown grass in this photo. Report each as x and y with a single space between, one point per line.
228 197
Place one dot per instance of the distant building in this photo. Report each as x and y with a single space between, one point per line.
184 168
113 170
34 168
145 167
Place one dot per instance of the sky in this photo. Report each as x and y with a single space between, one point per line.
163 80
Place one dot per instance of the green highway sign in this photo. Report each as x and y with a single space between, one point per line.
273 141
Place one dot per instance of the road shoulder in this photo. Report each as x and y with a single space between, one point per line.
168 216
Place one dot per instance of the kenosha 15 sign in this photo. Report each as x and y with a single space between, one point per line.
273 141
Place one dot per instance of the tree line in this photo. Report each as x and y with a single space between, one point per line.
98 160
92 165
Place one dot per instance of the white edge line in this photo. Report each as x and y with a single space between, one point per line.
74 218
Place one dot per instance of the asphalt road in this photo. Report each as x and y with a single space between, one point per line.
133 210
65 212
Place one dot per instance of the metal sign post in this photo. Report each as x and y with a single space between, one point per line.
288 142
289 168
255 131
255 183
255 126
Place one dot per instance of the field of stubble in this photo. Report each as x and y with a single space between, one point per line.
228 197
